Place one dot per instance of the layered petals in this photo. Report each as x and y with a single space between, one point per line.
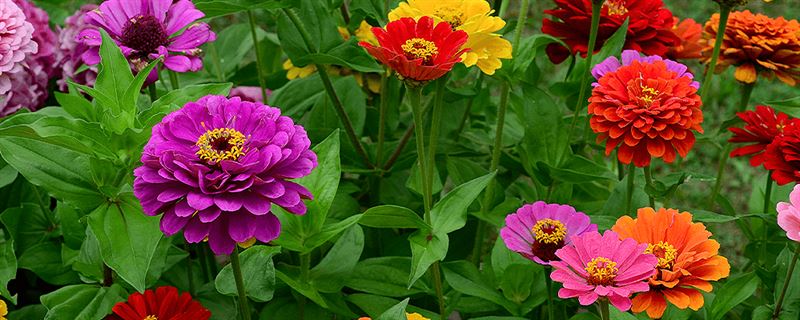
761 127
16 45
162 303
789 215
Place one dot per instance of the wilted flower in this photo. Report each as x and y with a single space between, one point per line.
649 28
757 44
16 43
595 266
486 46
146 30
761 127
692 43
687 259
789 215
163 303
417 50
647 106
72 49
215 167
537 230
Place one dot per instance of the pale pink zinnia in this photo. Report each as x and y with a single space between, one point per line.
598 266
789 215
16 42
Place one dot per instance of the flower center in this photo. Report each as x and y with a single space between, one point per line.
150 317
418 48
616 7
665 253
144 34
451 15
648 94
220 144
602 271
549 231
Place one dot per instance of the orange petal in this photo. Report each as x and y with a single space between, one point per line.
746 73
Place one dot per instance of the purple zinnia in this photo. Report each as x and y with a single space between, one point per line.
537 230
16 42
72 49
146 30
629 56
215 167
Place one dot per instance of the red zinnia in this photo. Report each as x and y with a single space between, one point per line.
418 50
648 109
162 304
649 29
761 128
782 156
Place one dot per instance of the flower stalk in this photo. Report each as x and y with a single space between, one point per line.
259 66
648 178
629 191
596 6
244 308
602 308
724 12
779 303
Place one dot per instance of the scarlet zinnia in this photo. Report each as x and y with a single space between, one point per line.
761 127
162 304
687 258
603 266
537 230
757 44
417 50
647 106
692 43
782 156
215 167
649 29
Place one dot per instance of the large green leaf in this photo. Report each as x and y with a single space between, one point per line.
385 276
84 302
128 238
732 293
450 213
337 266
8 269
215 8
113 79
46 261
28 225
389 216
397 312
258 271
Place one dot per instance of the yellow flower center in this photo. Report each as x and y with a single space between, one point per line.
451 15
549 231
649 95
150 317
220 144
665 253
602 271
418 48
616 7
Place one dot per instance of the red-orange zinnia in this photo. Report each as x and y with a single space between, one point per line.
687 259
692 43
757 44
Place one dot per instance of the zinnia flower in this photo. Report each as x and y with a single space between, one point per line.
647 106
16 43
146 30
409 316
538 230
757 44
782 156
596 266
687 259
789 215
162 304
692 43
3 310
216 166
72 49
649 28
486 46
761 127
247 93
417 50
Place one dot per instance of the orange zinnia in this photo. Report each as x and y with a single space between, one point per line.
691 34
757 44
687 259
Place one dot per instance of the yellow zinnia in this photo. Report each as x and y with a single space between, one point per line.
3 310
294 72
471 16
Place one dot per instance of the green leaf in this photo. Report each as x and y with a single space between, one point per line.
28 225
236 42
113 79
7 173
397 312
732 293
791 301
128 238
426 249
77 106
33 312
46 262
323 118
519 280
8 269
258 271
385 276
545 137
215 8
465 278
450 213
83 301
711 217
389 216
336 267
290 277
298 95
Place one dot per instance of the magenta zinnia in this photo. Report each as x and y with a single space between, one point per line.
216 166
149 29
537 230
603 266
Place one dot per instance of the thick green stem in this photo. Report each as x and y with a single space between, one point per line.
596 6
259 66
433 136
648 178
629 192
437 282
779 303
723 21
382 119
173 79
602 308
768 193
244 308
414 98
326 81
549 284
764 229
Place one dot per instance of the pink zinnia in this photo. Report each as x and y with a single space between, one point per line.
603 266
146 30
537 230
16 42
252 94
72 49
789 215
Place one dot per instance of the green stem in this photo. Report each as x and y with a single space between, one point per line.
173 79
414 98
465 117
768 193
779 303
382 119
723 21
400 146
153 92
326 81
648 178
437 282
305 266
602 307
259 67
549 284
503 8
596 6
433 136
629 192
244 309
764 229
217 63
477 245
